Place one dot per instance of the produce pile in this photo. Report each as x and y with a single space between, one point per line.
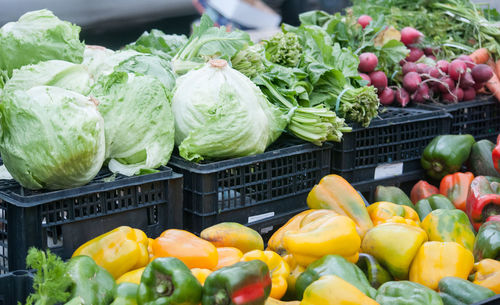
440 245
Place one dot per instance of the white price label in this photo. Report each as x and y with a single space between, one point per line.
260 217
388 170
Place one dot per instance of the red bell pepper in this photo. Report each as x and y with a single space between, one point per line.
422 190
455 187
493 218
495 155
483 200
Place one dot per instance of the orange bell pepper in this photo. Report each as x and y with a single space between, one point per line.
335 193
456 187
277 266
228 256
189 248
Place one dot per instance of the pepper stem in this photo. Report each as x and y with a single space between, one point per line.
221 298
165 286
437 166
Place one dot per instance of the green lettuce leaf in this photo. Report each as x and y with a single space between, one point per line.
158 43
38 36
52 138
138 122
208 42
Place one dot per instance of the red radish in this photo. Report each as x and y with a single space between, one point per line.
455 96
415 54
434 72
466 81
402 62
402 97
478 86
410 36
432 57
364 20
386 96
422 68
457 69
482 73
428 51
379 80
443 66
446 85
367 62
469 94
422 94
366 77
409 67
411 81
467 60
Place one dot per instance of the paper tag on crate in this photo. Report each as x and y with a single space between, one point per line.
266 230
388 170
255 218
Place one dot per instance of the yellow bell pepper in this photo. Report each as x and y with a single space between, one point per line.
436 260
275 243
201 274
118 251
383 211
394 245
335 193
150 248
332 290
133 276
487 274
271 301
330 234
277 266
232 234
292 279
399 219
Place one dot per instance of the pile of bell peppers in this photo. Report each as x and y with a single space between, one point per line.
440 247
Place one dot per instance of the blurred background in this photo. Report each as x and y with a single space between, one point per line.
113 23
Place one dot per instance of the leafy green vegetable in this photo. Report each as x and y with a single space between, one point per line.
55 73
208 42
38 36
138 122
51 138
51 279
284 49
158 43
220 113
250 60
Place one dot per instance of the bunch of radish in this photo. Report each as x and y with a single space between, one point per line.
444 81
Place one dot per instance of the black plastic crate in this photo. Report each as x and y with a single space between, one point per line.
480 117
250 189
15 287
63 220
390 146
404 182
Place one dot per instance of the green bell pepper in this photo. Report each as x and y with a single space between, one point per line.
487 244
90 283
392 194
334 265
126 294
457 291
167 280
407 293
244 283
445 154
431 203
375 273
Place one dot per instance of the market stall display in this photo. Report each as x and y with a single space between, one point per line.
290 181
